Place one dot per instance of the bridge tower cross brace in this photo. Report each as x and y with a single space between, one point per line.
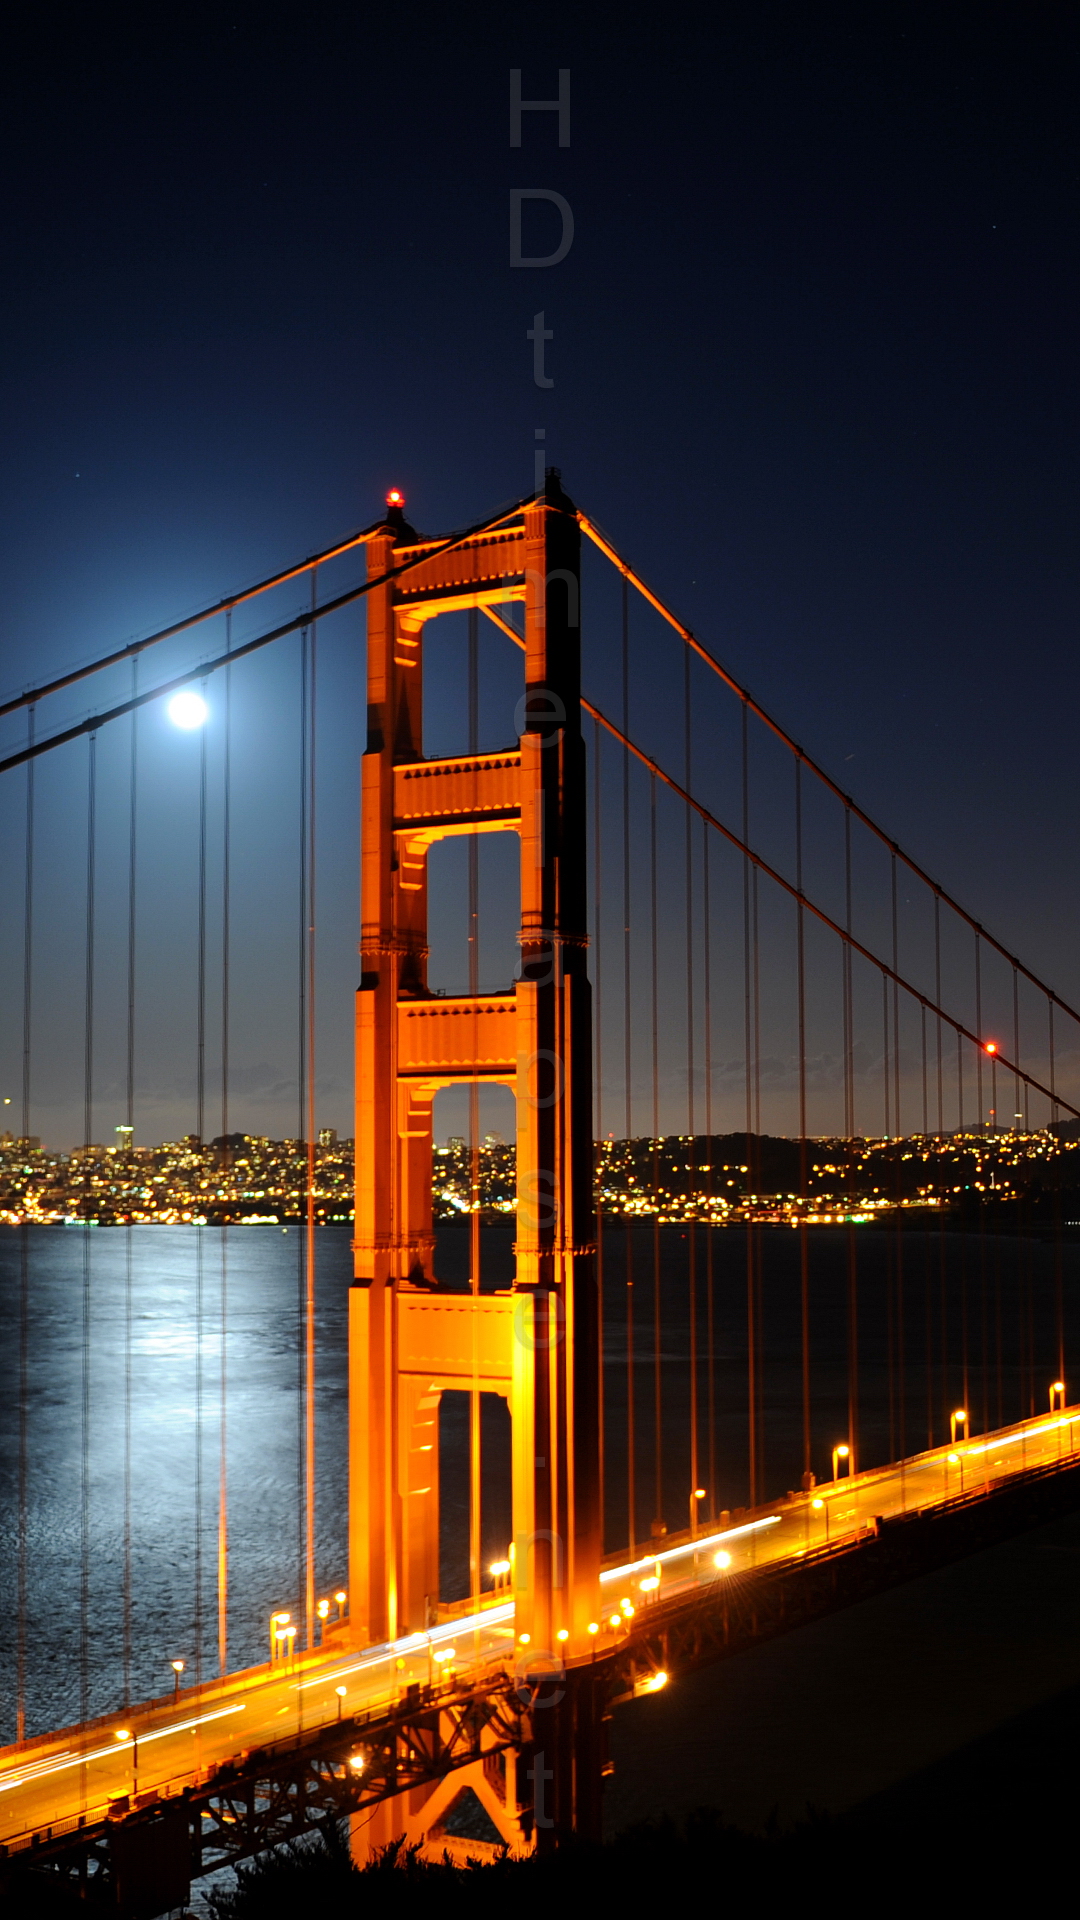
536 1345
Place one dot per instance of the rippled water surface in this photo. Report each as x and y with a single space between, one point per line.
86 1278
940 1317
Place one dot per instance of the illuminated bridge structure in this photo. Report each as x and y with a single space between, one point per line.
626 1564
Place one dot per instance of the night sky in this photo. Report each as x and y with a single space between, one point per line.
814 370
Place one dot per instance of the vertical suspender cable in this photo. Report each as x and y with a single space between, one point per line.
1016 1047
928 1297
200 1124
598 1029
979 1030
474 1123
848 1001
942 1259
925 1107
307 1093
885 1062
890 1292
129 1245
691 1235
983 1280
849 1127
899 1240
598 1007
754 1162
897 1124
748 1027
301 1128
24 1256
223 1458
710 1303
804 1250
87 1205
937 999
1059 1302
631 1458
658 1431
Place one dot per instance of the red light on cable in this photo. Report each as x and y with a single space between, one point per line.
991 1046
395 497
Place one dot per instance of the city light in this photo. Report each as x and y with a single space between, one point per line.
264 1182
723 1559
188 709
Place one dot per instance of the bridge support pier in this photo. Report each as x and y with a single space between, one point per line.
566 1762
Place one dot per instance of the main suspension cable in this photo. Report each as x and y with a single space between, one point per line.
759 865
135 647
750 704
203 669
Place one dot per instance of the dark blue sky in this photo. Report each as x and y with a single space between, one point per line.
814 365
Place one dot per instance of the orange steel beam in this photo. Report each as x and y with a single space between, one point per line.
599 540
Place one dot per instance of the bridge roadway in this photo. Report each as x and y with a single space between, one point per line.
59 1781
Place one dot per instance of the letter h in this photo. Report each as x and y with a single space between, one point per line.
518 106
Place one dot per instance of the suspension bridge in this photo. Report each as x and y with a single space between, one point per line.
753 1368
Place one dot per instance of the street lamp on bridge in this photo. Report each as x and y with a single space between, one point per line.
178 1668
697 1494
957 1419
841 1452
1057 1397
132 1734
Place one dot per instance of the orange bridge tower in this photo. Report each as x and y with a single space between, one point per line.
536 1345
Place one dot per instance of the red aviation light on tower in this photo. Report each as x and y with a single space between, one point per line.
395 497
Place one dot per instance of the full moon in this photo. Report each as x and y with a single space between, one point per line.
188 709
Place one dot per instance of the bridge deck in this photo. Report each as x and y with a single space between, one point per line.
77 1776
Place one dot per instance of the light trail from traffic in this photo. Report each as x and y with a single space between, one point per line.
55 1781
